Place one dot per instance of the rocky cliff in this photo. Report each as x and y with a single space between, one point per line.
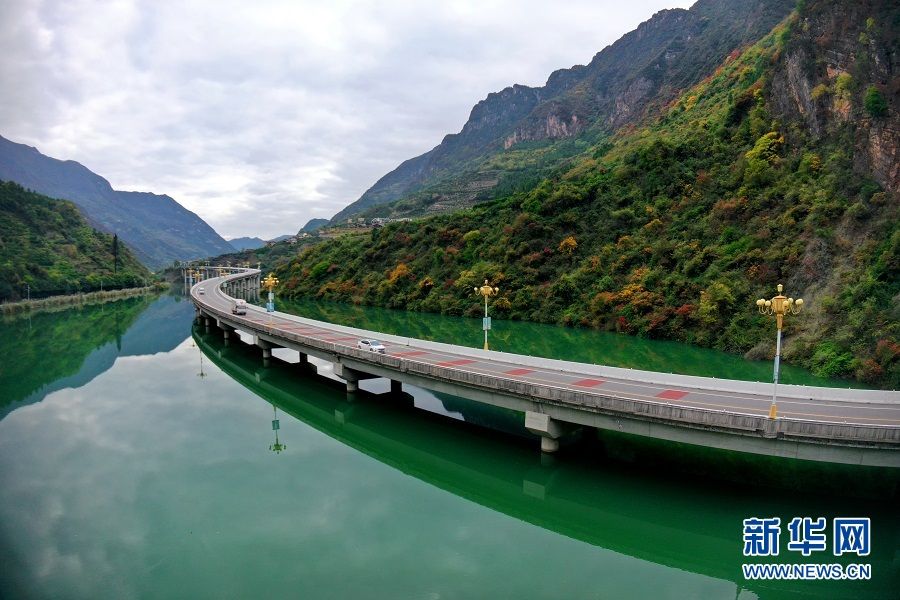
839 72
641 72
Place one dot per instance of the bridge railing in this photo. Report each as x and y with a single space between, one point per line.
611 405
648 410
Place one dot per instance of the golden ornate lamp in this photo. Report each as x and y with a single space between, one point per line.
486 290
779 306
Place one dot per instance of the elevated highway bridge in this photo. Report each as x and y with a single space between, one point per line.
814 423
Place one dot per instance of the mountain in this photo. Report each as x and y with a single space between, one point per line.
313 225
281 238
46 244
247 243
640 73
780 166
157 228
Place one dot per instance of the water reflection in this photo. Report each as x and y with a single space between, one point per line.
49 351
277 447
688 525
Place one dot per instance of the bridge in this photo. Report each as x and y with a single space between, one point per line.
819 424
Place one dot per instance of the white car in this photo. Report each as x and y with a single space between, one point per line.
201 291
370 345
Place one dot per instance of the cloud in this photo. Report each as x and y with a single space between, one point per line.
259 116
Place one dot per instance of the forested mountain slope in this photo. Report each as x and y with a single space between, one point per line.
637 75
157 228
780 167
46 244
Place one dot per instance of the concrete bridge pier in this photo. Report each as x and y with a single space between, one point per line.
396 386
227 332
304 363
266 350
351 376
549 429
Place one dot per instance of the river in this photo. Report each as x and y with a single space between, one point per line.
142 458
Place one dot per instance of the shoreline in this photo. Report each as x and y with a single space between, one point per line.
65 301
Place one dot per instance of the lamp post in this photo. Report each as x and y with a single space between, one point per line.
778 306
270 282
486 291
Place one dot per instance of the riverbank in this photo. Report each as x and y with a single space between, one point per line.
65 301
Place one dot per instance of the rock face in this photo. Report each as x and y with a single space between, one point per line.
837 52
640 72
157 228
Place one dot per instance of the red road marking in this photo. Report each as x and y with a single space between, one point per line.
519 372
672 394
410 353
456 363
589 382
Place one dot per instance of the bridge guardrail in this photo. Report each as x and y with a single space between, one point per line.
741 423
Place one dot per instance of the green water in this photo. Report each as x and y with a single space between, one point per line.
579 345
141 467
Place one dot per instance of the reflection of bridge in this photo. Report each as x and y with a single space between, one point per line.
682 525
822 424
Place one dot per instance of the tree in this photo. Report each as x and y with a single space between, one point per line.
874 102
568 245
115 251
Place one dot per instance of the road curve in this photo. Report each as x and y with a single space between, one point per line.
870 408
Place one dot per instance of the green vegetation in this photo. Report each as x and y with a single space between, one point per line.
670 231
874 102
46 244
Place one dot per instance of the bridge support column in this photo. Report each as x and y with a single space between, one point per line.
227 333
304 363
351 376
396 386
266 351
549 429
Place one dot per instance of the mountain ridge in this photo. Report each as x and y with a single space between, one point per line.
155 226
644 68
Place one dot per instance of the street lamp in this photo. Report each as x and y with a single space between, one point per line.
486 290
778 306
270 282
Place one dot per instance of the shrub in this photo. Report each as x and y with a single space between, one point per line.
568 245
874 102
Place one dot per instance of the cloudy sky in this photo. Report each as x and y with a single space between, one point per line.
261 115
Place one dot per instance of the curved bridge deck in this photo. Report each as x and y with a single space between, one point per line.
825 424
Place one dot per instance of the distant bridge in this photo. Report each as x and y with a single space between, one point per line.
814 423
